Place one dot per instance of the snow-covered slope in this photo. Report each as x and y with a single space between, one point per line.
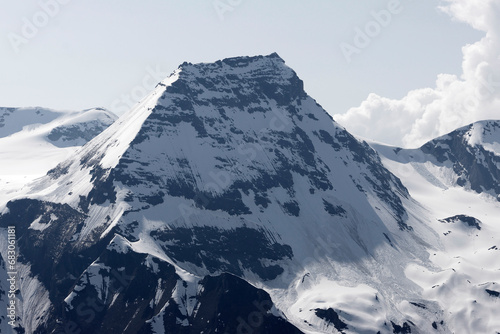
14 120
456 178
34 140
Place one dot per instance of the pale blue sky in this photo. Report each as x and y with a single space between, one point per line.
91 53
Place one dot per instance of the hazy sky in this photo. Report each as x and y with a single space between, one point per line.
70 54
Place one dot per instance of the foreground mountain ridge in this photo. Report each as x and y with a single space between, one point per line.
228 177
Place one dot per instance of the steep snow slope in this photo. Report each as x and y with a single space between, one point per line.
33 140
445 175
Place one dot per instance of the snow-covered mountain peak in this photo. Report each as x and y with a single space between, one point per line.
467 157
239 64
472 153
34 140
237 129
13 120
270 66
228 167
229 80
485 134
81 127
481 133
224 119
43 120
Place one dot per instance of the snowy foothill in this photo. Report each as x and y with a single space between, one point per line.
35 140
467 265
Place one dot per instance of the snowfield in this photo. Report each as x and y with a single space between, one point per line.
32 142
468 263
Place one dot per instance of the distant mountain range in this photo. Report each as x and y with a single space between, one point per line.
229 201
34 140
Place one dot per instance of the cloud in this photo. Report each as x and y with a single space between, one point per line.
455 101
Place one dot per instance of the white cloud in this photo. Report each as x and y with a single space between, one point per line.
454 101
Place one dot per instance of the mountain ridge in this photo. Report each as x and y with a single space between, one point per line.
470 154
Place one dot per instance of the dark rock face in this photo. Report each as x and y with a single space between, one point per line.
477 167
5 113
435 324
128 291
224 250
331 317
225 304
103 189
334 210
493 293
404 329
465 220
122 289
77 134
419 305
48 245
